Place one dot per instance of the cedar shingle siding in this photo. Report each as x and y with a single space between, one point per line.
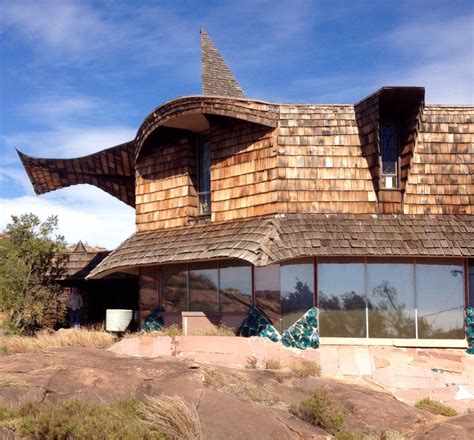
287 180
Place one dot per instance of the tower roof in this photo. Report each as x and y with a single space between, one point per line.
217 78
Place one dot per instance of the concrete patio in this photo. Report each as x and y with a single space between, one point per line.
410 374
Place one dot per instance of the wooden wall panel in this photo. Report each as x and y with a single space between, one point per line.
165 194
243 171
321 167
441 179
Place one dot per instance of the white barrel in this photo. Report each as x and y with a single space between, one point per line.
118 320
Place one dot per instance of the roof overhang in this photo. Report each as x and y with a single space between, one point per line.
189 113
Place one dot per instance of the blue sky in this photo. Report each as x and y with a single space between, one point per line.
80 76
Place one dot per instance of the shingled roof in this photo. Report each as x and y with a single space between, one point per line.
217 79
267 240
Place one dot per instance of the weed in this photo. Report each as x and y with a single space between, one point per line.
272 364
280 377
220 330
80 420
170 330
239 385
304 368
172 416
61 338
436 407
251 363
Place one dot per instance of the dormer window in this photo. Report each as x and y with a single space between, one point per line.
389 150
204 176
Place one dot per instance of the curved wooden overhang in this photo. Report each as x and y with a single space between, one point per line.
112 170
273 239
189 113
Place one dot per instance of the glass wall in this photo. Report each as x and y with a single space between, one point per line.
440 299
421 298
206 287
391 299
267 291
471 283
341 296
297 290
174 288
203 288
235 284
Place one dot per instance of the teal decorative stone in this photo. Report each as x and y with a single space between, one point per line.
154 322
470 329
256 323
304 333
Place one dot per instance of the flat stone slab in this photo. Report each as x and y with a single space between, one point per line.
408 373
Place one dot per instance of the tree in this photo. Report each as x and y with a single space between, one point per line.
30 265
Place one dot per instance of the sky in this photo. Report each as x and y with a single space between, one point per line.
80 76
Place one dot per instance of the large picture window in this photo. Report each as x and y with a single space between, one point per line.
391 298
174 288
440 299
235 286
471 283
297 290
267 291
203 288
342 303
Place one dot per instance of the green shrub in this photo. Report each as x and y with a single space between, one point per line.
436 407
321 410
76 419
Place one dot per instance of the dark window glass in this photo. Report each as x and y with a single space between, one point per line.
148 290
440 299
204 177
389 145
341 287
391 300
203 290
235 287
471 283
297 290
174 288
267 291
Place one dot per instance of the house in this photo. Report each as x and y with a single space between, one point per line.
364 210
117 290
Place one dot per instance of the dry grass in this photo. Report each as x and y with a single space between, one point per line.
61 338
172 416
220 330
170 330
239 385
436 407
272 364
251 363
304 368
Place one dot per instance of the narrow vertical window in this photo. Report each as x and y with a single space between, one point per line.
204 177
389 149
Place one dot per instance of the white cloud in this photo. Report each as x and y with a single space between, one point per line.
85 213
68 140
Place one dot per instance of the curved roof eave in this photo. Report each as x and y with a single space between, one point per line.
258 112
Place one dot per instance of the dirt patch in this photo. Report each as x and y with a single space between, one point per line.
231 404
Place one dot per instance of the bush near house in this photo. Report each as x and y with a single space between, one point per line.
29 268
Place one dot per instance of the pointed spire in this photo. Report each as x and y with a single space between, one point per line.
80 247
217 79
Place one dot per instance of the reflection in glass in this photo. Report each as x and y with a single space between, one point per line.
235 287
471 283
267 291
297 291
391 300
341 299
203 291
440 300
174 288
